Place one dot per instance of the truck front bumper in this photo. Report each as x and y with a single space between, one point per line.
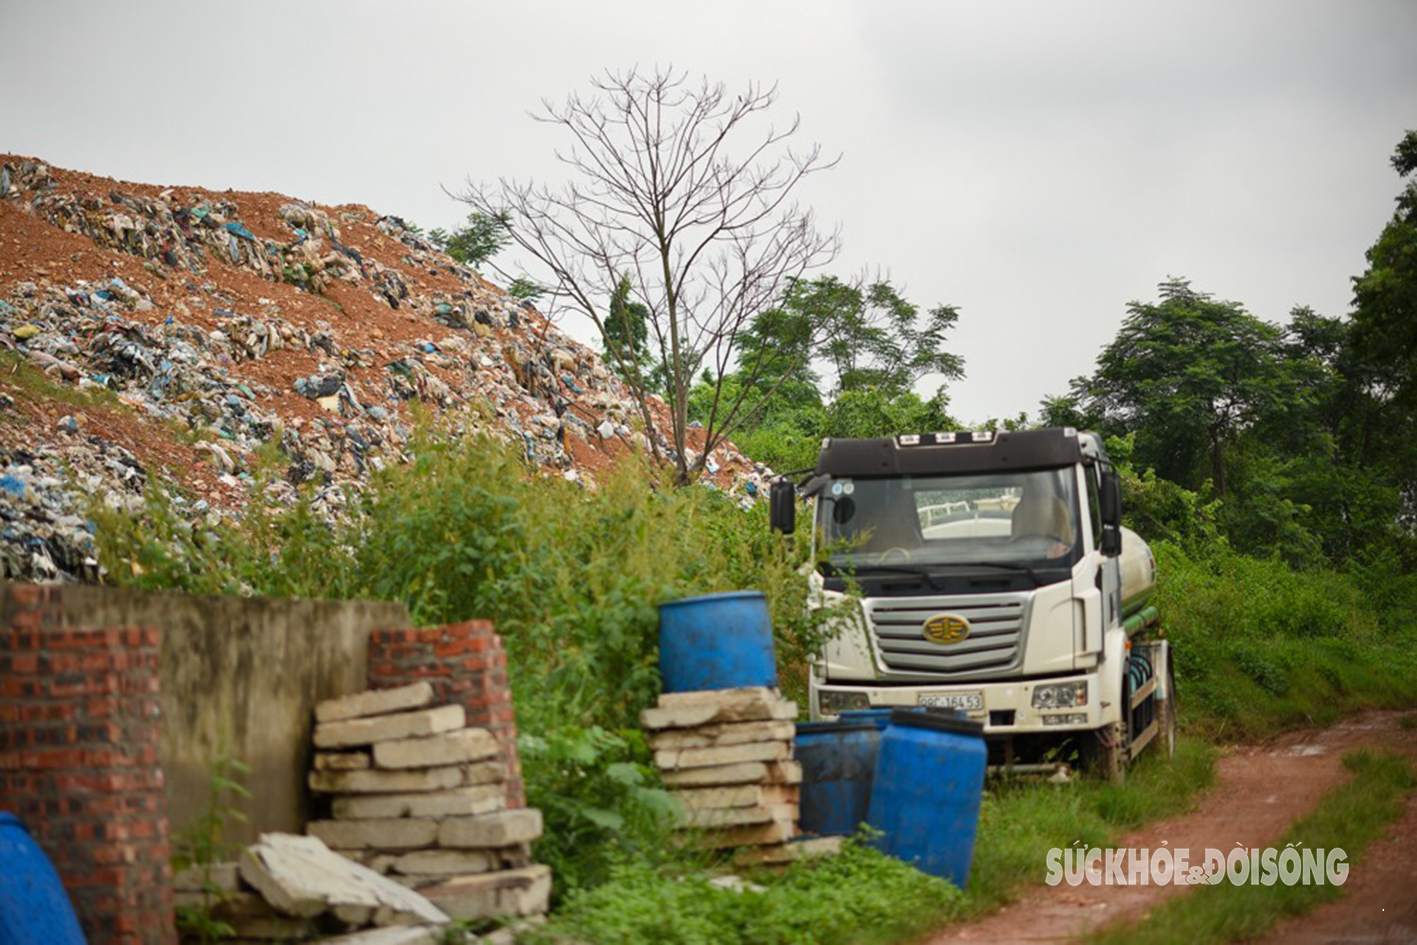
1005 707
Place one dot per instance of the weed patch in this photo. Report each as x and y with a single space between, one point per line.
29 383
1260 647
1021 822
859 896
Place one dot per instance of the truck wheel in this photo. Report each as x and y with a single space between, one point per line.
1105 754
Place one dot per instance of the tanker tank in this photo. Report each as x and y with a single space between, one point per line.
1138 566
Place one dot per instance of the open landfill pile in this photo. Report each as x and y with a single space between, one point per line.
155 334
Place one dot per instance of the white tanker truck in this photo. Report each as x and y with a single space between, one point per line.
994 577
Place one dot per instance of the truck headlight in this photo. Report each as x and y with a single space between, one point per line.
834 703
1060 696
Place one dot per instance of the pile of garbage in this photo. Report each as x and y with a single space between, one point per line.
224 323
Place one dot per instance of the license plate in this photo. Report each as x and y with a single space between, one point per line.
953 700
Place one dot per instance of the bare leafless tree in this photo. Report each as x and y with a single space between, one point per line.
687 190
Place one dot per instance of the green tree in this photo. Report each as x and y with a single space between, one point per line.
1382 359
874 336
484 236
875 411
528 290
1385 295
1189 374
877 347
688 190
625 336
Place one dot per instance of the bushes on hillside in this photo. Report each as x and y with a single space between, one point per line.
571 577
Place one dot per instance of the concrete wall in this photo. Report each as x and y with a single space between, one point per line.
239 675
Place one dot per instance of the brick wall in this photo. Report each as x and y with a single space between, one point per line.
467 664
79 734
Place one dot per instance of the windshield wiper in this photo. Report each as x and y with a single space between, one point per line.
855 570
1006 566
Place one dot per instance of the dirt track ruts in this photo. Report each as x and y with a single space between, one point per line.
1260 789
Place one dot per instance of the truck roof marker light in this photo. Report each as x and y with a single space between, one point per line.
908 439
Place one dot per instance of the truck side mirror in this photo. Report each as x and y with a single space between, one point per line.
782 507
1110 499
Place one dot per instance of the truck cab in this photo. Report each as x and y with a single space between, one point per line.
988 573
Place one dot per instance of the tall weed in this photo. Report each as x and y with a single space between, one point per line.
572 578
1260 646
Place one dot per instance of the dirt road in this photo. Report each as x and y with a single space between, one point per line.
1260 790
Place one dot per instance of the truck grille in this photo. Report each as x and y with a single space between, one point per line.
994 643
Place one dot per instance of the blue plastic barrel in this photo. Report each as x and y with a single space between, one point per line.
881 717
877 717
33 905
719 641
928 784
838 764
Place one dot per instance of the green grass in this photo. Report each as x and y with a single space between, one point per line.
863 896
1021 822
30 383
1261 648
1350 816
572 578
859 896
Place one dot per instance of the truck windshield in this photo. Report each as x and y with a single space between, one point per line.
1028 519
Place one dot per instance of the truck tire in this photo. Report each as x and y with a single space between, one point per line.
1105 753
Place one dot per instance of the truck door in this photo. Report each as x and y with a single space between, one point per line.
1095 583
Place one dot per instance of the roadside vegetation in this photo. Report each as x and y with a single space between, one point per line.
863 896
1271 469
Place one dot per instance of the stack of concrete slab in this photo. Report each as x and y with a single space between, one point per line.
287 888
726 754
417 795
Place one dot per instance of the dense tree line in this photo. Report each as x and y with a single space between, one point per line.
837 358
1298 440
1304 433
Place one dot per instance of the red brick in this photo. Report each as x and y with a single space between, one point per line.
26 595
89 782
24 663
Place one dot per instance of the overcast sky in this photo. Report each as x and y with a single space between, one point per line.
1038 165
